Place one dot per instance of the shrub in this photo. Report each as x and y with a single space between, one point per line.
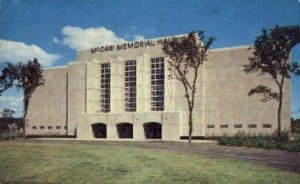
8 135
223 140
240 139
284 136
261 141
289 145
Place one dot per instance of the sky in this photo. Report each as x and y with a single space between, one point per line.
52 30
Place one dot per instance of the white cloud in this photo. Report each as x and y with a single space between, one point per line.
139 37
14 52
79 38
12 102
55 40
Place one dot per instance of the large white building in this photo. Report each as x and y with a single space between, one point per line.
123 91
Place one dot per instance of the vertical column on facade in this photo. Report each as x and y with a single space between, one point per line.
203 98
111 128
143 98
138 129
117 85
93 87
143 86
170 122
169 88
76 95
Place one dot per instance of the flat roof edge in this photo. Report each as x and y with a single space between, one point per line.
56 67
231 48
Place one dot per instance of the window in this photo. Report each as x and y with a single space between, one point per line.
157 84
224 126
105 87
210 126
34 127
57 127
42 127
267 126
130 85
252 126
49 127
238 126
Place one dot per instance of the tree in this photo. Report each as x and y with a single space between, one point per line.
270 57
9 74
186 55
26 76
6 116
7 113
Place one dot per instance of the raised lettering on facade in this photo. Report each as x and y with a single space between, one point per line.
130 45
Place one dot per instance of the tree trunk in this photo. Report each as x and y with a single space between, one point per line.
190 125
26 101
24 129
279 114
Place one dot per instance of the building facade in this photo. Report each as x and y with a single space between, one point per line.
124 91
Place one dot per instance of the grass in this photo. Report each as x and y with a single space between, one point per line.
69 162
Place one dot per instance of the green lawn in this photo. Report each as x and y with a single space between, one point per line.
109 163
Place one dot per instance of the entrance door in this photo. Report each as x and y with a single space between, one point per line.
125 130
99 130
152 130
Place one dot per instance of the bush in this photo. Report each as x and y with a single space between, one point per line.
8 135
223 140
6 122
292 146
240 139
283 137
266 142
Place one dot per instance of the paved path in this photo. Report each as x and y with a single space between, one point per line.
289 161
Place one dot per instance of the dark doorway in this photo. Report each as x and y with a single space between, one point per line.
152 130
99 130
125 130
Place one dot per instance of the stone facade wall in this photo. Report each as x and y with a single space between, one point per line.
47 108
226 99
